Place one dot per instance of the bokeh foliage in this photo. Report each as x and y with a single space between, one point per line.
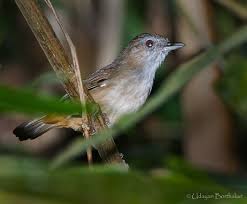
26 180
233 85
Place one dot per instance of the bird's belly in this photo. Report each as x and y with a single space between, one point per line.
122 104
120 100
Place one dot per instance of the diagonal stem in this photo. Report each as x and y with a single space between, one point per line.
65 71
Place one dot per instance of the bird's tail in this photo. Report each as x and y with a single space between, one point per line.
35 128
32 129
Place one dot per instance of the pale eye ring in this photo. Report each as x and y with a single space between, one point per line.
149 43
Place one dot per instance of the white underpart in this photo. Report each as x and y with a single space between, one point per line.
129 96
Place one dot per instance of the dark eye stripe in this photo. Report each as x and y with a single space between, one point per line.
149 43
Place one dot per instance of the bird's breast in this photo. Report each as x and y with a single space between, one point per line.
121 96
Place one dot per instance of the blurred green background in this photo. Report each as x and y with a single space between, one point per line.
191 145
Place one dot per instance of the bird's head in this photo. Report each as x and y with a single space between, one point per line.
148 50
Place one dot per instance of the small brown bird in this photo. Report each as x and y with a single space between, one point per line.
119 88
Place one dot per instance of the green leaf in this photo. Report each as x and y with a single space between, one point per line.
23 180
168 89
25 101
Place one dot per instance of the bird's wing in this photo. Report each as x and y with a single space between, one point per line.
98 78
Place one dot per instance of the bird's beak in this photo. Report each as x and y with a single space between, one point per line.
173 46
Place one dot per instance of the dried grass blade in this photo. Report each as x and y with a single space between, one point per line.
77 76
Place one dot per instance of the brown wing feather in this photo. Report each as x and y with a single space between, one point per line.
100 76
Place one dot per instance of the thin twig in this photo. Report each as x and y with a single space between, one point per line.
66 72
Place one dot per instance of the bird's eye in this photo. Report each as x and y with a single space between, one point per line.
149 43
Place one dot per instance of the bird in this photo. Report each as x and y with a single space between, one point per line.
119 88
